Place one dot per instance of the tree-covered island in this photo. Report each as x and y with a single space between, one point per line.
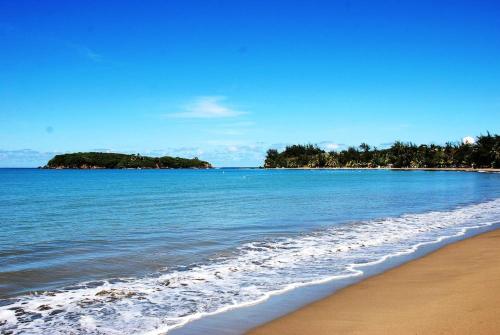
483 153
102 160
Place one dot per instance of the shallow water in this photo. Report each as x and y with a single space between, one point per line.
138 251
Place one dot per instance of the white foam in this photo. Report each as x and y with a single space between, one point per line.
156 304
87 323
8 317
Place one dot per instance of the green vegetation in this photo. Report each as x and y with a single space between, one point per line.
484 153
101 160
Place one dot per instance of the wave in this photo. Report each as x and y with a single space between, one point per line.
249 275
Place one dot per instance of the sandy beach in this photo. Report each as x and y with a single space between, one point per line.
454 290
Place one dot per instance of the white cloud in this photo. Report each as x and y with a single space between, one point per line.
219 153
24 158
232 148
236 155
330 146
468 140
207 107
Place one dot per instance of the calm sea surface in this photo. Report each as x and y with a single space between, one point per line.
143 251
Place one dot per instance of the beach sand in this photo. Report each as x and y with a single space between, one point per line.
454 290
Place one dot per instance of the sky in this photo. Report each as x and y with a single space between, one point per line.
227 80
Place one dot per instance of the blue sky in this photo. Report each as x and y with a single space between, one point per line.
226 80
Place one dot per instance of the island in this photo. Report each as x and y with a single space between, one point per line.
480 153
104 160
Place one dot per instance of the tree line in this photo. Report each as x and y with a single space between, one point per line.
103 160
483 153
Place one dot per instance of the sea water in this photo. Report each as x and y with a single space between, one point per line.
146 251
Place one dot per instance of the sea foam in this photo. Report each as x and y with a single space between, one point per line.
253 272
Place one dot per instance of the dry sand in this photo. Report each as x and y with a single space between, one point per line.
454 290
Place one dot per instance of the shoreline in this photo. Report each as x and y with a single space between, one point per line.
486 170
453 290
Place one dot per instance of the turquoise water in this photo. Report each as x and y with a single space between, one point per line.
144 251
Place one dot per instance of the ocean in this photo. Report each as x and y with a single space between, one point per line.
146 251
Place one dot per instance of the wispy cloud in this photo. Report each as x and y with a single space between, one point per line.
250 154
24 158
330 146
86 52
386 145
207 107
219 153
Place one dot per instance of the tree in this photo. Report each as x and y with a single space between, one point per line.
484 153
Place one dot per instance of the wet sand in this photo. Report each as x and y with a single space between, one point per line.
454 290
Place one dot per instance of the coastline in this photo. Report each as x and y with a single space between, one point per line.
453 290
486 170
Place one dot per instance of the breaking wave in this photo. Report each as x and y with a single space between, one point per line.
253 272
